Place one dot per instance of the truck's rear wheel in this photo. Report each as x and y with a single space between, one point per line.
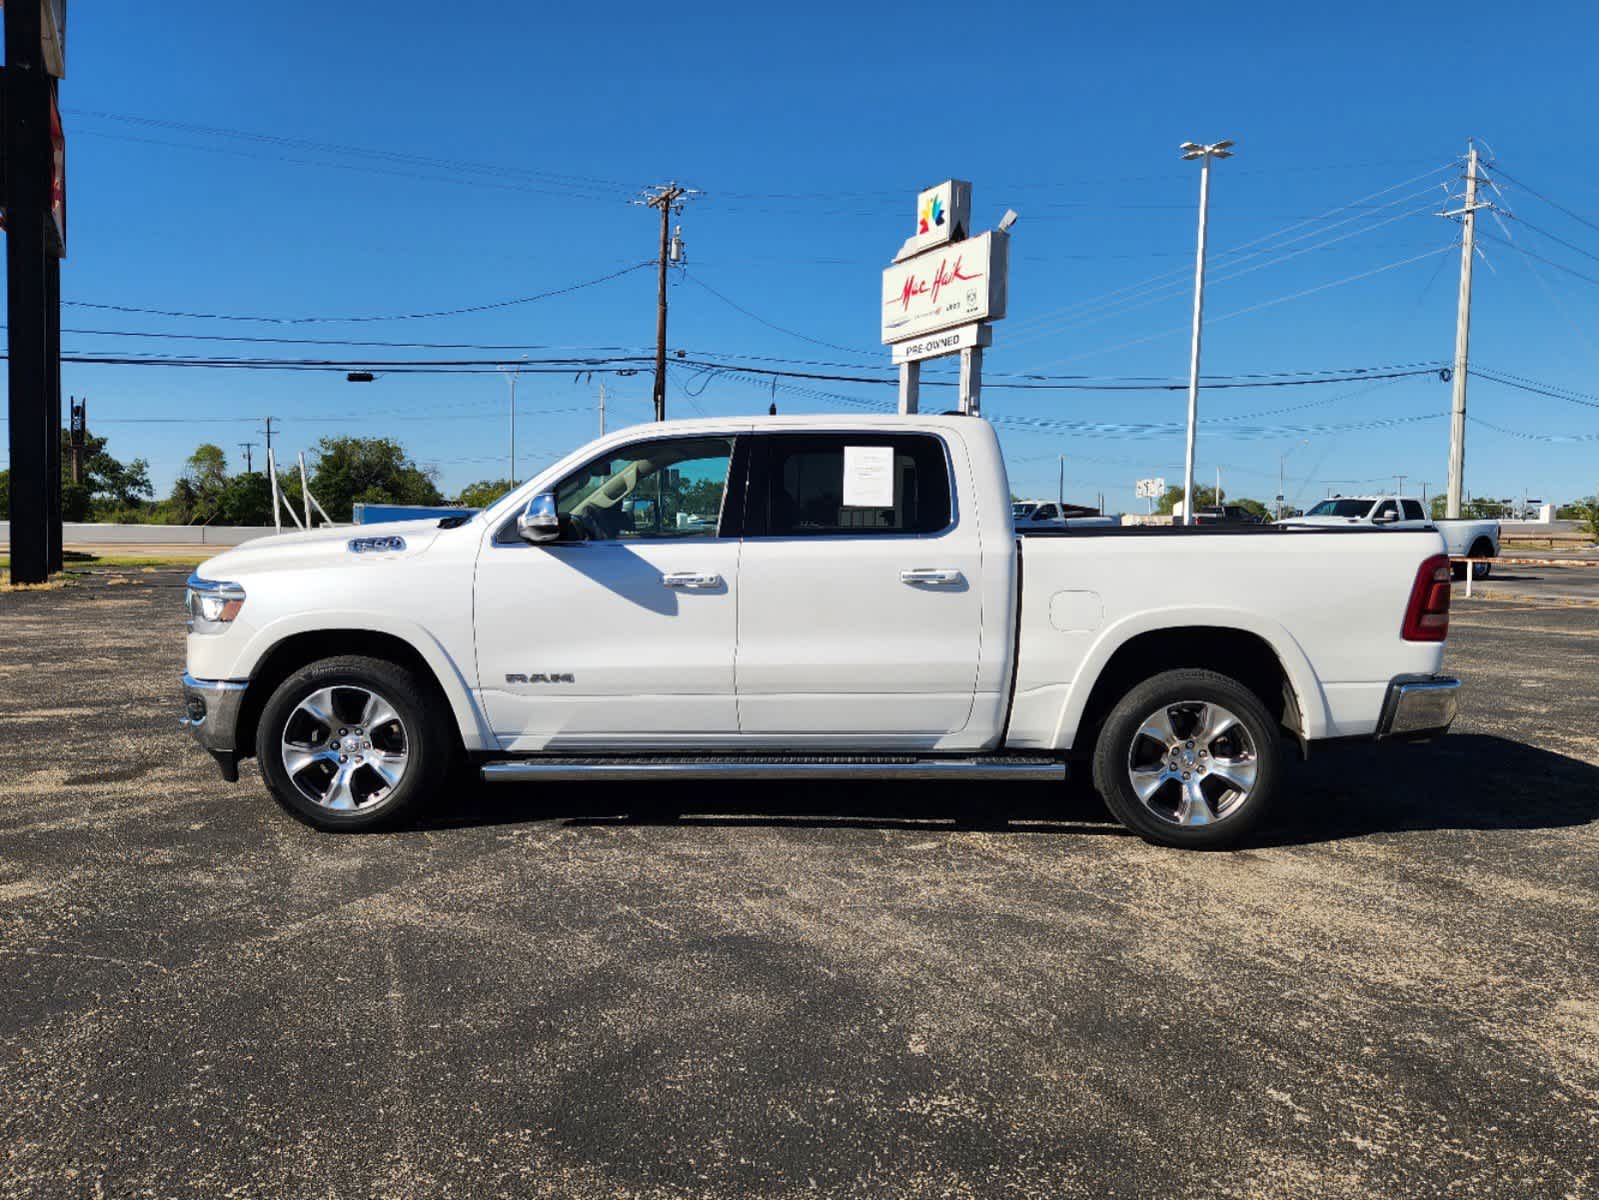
353 743
1188 758
1482 548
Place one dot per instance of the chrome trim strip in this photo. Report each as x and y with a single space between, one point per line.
214 685
524 770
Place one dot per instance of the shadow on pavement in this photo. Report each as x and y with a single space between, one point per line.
1465 781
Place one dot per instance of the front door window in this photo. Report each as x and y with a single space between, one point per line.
670 488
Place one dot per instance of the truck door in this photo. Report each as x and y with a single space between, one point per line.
622 632
860 609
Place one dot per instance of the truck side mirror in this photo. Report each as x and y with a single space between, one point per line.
539 521
1385 518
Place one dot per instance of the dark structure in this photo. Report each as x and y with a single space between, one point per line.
35 202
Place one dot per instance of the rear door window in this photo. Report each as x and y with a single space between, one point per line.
855 484
1413 511
1386 509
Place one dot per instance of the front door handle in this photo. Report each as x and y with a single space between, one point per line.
692 579
931 576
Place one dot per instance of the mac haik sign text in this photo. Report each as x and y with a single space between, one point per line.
955 284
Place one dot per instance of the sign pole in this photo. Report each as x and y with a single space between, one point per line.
910 386
972 381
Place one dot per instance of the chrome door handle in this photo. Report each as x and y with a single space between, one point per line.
691 579
933 576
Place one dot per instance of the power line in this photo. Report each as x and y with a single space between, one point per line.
1181 273
553 177
1238 312
1493 237
416 316
1578 217
733 304
1553 237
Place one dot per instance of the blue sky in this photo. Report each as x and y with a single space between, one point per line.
809 131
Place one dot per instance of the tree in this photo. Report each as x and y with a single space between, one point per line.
1584 511
368 471
1173 496
1253 507
245 500
483 493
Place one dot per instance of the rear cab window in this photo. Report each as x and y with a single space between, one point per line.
848 484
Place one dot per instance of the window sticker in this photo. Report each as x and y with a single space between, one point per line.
868 477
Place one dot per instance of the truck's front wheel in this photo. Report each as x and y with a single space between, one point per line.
1188 758
352 743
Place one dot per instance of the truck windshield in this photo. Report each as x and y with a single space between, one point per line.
1340 508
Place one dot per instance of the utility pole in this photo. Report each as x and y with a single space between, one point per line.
1457 412
1192 150
268 431
1218 486
1425 484
602 408
1060 497
1399 484
247 447
668 198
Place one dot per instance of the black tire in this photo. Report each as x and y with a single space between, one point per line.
1232 814
422 732
1481 570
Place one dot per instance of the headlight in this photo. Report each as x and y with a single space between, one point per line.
211 604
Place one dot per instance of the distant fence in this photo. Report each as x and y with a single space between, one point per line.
87 533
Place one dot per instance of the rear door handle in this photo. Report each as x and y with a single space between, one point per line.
691 579
931 576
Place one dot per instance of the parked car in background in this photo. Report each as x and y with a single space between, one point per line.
808 598
1226 514
1030 515
1463 537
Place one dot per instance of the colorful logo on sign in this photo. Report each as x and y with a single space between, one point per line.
931 215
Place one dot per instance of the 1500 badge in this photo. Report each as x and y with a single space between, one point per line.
552 677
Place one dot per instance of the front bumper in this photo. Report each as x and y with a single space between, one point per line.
211 713
1419 706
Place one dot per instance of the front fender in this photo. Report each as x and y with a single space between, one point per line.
457 688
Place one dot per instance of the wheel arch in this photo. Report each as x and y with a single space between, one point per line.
1483 547
1273 667
300 648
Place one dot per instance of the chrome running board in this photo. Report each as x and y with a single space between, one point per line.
525 770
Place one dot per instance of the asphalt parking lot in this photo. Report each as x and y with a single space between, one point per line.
853 991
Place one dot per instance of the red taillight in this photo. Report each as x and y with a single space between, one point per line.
1427 614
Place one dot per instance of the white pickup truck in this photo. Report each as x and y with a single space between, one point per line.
1463 538
804 598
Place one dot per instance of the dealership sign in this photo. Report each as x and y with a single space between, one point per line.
950 341
961 283
1151 489
943 214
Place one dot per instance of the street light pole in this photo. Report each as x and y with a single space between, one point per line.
1282 463
1060 492
510 374
1193 150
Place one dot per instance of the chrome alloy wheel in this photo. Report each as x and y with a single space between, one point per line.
345 748
1192 762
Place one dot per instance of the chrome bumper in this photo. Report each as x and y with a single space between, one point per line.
1419 706
211 713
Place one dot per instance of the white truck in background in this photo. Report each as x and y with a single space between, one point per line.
1463 537
1030 515
808 598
